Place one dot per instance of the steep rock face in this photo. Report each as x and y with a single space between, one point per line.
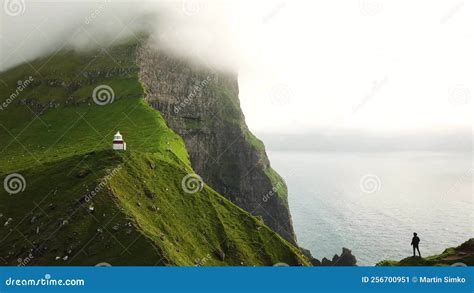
202 106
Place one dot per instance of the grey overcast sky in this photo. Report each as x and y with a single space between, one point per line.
383 66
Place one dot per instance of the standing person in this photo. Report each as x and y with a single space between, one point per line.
414 242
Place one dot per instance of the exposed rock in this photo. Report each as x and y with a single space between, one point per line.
325 262
150 194
202 106
346 258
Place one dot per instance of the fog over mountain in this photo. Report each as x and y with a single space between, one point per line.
303 65
32 29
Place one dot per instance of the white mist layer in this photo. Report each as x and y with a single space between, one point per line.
305 65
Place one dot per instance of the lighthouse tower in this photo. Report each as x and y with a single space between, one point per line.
119 144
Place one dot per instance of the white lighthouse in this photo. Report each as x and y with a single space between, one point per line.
119 144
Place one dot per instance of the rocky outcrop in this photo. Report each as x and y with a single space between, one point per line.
202 106
463 255
345 259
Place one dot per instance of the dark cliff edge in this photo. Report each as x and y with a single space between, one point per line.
345 259
202 106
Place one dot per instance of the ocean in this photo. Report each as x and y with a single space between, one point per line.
372 202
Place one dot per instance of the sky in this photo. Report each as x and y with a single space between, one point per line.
304 66
380 66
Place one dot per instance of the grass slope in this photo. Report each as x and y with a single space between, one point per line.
85 204
464 253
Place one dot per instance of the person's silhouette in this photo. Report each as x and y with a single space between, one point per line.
414 242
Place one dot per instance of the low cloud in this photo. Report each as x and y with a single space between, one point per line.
194 29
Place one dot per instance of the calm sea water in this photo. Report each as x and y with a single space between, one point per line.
372 203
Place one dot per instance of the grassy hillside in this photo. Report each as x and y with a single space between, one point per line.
464 254
83 203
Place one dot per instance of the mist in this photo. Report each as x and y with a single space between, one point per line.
457 140
181 28
385 66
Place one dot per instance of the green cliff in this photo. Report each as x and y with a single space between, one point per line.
77 202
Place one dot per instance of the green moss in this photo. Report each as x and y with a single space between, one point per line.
52 217
461 254
228 103
67 131
190 227
254 141
141 215
278 184
195 124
